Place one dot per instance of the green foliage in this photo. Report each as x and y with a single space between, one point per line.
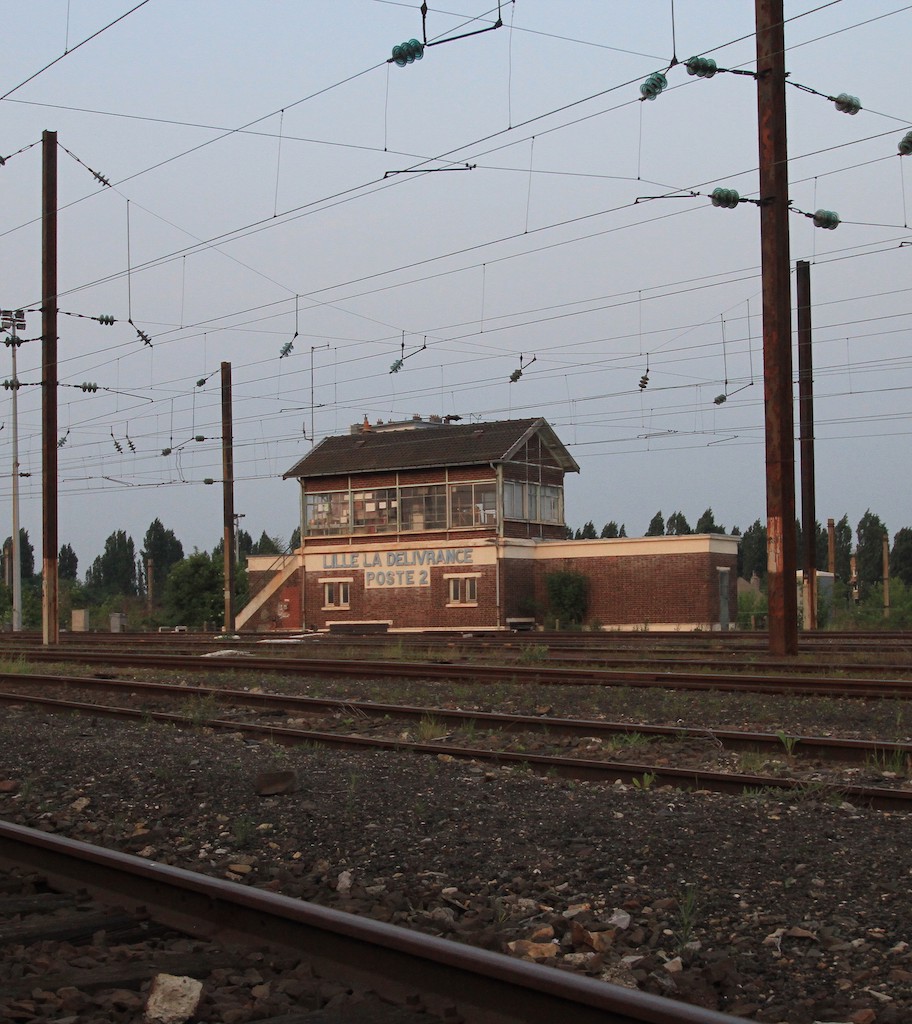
587 532
266 545
194 591
869 554
868 613
114 571
164 549
656 526
752 552
568 595
707 524
26 554
67 563
610 531
752 609
677 525
901 557
843 541
295 541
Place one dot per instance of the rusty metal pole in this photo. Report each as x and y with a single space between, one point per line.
49 613
228 496
806 431
777 350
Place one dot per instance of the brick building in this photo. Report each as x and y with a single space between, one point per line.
435 525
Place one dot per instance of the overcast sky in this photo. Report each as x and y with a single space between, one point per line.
508 201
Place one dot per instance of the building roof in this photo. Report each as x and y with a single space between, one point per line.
446 444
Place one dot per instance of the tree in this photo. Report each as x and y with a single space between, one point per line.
821 546
656 526
610 531
244 545
901 556
843 544
194 592
26 554
114 571
707 524
295 541
568 595
266 545
164 549
677 525
752 552
869 555
67 563
588 531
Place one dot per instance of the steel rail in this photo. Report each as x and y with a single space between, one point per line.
721 680
490 986
828 747
585 769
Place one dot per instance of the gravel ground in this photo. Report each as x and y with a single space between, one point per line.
775 910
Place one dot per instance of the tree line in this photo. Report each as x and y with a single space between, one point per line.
157 586
865 543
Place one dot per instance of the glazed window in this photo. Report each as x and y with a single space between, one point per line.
327 513
462 590
375 511
473 504
514 500
336 594
423 508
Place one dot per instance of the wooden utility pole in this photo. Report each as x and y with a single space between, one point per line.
50 625
777 350
228 496
806 430
831 546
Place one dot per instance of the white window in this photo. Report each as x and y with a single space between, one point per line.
514 500
462 590
336 593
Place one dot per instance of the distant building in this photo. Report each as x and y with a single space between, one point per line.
436 525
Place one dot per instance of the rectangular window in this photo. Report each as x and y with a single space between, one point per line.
473 504
462 590
336 594
550 504
423 508
327 513
375 511
514 500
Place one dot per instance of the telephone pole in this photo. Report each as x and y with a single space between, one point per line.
777 350
806 431
228 497
50 624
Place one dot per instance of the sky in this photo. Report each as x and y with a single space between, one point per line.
243 178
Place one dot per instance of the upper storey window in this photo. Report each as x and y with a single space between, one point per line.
375 511
328 512
473 504
423 508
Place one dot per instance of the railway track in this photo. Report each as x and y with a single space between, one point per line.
416 976
643 775
720 679
830 748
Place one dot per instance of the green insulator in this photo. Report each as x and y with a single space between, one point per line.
653 85
702 67
847 104
828 219
727 198
905 144
408 52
